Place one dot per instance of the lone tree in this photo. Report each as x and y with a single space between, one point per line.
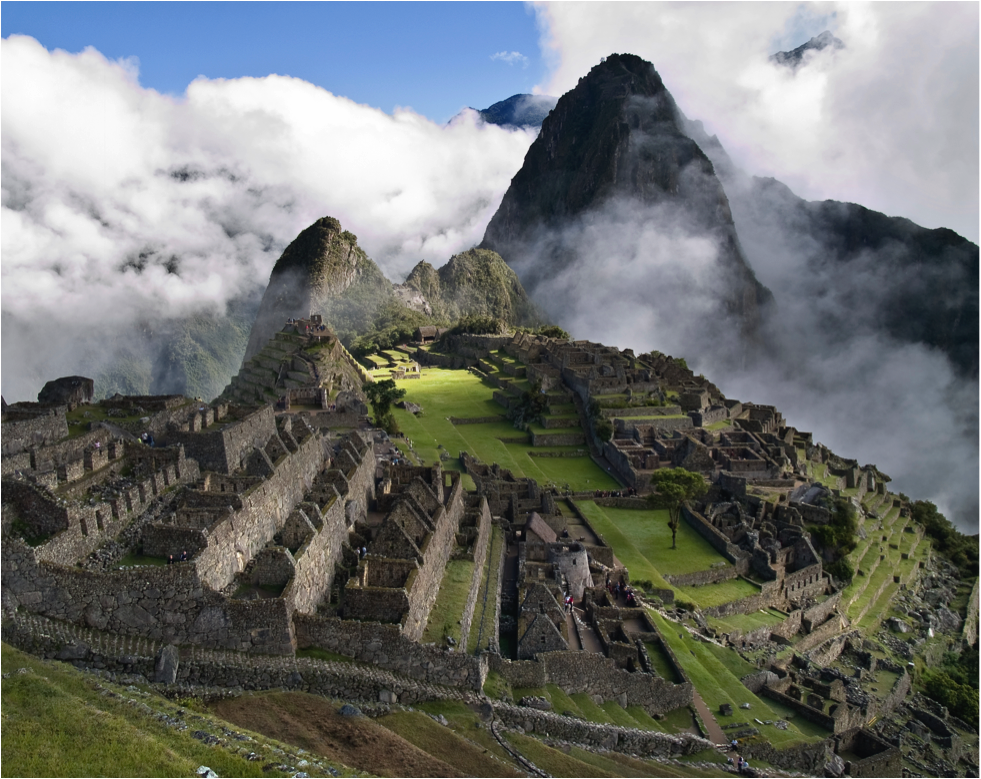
673 487
382 395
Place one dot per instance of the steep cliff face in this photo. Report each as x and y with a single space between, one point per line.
614 152
476 281
322 271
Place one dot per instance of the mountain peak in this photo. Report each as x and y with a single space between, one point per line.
322 262
795 58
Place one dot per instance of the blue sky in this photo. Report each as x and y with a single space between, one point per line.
433 57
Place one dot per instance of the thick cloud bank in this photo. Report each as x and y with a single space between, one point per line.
122 206
890 121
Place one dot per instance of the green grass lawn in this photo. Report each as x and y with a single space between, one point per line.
590 709
732 660
717 684
716 594
447 611
641 540
744 623
661 662
449 393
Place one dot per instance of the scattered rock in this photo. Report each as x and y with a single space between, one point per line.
347 710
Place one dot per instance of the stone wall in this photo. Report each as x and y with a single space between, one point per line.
480 548
558 439
416 541
845 718
168 604
647 424
769 595
199 668
733 484
819 613
813 515
807 582
642 743
436 553
595 674
809 758
45 427
226 448
76 528
386 646
879 758
235 537
699 578
316 558
706 530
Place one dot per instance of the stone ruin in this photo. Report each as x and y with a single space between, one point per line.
287 534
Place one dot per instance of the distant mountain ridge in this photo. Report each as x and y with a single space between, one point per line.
523 111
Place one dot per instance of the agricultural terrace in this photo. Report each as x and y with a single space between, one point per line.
718 682
444 393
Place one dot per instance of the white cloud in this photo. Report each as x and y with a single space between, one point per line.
510 57
890 122
98 171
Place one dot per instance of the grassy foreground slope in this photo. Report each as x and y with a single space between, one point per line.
58 721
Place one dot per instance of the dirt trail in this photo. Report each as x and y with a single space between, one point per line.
708 719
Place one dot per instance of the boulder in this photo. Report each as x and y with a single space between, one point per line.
168 661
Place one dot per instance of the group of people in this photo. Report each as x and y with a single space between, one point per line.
296 322
627 493
181 558
568 602
146 438
739 763
620 588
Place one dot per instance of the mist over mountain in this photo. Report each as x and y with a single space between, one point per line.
796 57
616 206
324 271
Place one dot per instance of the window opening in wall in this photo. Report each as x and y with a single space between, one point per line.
98 520
85 529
